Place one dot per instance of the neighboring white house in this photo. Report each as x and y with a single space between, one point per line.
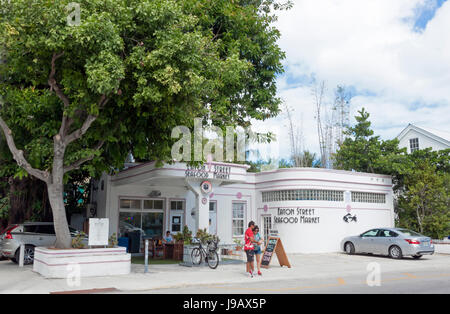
415 138
312 209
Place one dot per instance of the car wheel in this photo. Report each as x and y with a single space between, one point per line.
29 255
349 248
417 256
395 252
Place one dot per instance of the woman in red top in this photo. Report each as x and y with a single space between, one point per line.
249 248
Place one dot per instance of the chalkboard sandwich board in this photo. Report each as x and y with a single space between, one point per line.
274 245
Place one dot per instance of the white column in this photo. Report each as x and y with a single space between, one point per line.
201 210
203 213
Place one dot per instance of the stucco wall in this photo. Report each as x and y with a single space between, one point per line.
324 236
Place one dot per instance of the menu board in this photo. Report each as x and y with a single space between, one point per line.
274 245
98 231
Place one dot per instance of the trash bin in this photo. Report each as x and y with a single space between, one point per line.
135 241
124 242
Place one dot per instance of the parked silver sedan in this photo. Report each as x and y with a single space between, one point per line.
32 234
394 242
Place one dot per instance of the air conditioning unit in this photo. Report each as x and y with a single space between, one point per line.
91 210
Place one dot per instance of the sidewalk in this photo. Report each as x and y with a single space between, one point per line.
16 280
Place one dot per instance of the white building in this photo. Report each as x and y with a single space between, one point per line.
414 138
312 209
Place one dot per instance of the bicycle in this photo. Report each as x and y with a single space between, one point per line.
210 255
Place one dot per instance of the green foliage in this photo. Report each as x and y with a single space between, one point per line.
421 179
160 63
185 236
112 241
4 208
238 242
424 203
204 236
364 152
77 241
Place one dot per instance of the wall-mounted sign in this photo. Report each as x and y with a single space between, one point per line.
347 218
206 187
296 215
98 231
239 195
204 201
196 172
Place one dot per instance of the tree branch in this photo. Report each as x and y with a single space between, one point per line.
18 155
55 87
86 124
81 161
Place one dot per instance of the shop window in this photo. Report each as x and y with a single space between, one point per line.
129 222
152 224
154 204
176 205
365 197
130 204
146 216
238 219
300 195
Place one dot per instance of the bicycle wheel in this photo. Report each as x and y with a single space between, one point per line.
213 259
196 256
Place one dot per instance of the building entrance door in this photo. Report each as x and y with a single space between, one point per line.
213 218
266 226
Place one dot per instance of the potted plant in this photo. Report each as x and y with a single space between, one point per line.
238 243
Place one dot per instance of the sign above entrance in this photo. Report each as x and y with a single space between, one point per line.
222 172
196 172
218 172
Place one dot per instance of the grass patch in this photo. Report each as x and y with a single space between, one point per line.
141 260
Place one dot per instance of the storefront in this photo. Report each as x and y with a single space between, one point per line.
312 209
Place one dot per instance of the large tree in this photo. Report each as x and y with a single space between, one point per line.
363 151
120 79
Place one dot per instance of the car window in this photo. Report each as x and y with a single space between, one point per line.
409 233
387 233
30 228
370 233
46 229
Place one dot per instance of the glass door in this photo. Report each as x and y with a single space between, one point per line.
267 226
213 218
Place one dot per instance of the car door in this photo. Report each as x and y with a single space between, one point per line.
383 241
366 241
46 235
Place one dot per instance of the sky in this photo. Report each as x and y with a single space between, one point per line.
394 55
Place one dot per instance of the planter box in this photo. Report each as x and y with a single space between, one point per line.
187 249
54 263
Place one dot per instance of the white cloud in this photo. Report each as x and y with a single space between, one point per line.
372 46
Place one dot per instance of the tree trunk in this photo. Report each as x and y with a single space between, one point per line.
56 198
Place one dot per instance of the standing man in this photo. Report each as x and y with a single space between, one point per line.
249 248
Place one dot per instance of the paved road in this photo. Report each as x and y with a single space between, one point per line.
433 281
310 273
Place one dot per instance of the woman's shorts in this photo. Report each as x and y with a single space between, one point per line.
250 255
258 251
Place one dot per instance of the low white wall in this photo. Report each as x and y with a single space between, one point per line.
54 263
442 248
